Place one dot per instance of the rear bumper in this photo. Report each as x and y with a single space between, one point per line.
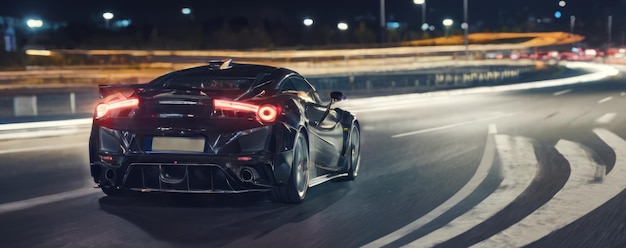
193 173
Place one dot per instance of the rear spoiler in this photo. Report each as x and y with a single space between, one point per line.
125 90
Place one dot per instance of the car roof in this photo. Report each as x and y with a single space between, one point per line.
265 76
232 70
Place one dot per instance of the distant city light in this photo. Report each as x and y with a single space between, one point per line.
342 26
463 25
448 22
562 3
393 25
38 52
34 23
107 15
185 11
425 26
419 2
431 28
558 14
307 22
122 23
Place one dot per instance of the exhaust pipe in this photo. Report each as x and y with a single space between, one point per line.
109 174
246 174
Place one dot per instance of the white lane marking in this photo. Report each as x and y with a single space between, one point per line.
493 129
606 99
578 197
41 148
519 167
447 126
45 124
606 118
479 176
21 205
562 92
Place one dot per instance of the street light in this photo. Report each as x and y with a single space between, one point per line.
423 5
107 17
185 11
307 22
34 23
342 26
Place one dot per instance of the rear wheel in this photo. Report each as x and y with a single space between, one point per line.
354 152
112 191
297 185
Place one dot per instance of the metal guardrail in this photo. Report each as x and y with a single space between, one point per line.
64 102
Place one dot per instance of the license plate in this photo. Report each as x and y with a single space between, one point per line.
183 144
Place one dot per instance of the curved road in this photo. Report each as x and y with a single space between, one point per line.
498 169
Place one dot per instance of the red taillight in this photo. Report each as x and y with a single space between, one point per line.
265 113
235 106
103 108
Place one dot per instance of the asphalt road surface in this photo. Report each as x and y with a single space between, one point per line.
540 168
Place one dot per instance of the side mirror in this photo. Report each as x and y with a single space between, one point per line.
337 96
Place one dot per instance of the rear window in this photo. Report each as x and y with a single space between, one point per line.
202 81
206 83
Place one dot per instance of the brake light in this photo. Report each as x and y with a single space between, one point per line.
103 108
234 106
265 113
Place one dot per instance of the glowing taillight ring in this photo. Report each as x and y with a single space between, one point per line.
267 113
101 110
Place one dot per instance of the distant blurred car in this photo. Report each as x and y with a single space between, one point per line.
570 56
544 55
222 128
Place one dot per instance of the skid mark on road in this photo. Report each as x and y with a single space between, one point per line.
519 167
479 176
579 196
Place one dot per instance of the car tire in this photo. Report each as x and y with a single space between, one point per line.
109 191
354 152
297 185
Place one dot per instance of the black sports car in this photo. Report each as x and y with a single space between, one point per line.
222 128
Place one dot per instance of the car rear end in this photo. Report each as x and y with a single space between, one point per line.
147 138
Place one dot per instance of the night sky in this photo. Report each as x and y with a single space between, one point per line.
487 14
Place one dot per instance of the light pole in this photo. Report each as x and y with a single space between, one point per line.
34 24
107 17
572 21
465 29
610 30
422 3
383 26
447 23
